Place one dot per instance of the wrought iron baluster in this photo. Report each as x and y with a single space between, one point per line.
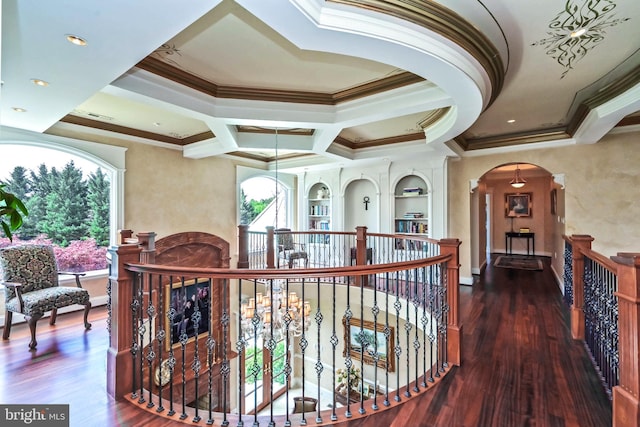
319 367
171 364
151 355
334 343
196 318
160 337
397 305
568 274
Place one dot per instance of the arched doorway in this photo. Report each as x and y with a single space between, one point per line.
498 208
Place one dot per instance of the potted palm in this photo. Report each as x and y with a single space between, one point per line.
11 212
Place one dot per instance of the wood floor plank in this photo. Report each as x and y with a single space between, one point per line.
520 366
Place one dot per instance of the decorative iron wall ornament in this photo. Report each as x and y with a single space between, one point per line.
576 30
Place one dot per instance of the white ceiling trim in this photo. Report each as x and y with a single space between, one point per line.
604 117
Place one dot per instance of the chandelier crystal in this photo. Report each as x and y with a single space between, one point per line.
266 314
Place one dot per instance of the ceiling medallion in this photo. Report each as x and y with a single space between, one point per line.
578 29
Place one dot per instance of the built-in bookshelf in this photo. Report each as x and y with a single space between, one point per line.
319 210
411 206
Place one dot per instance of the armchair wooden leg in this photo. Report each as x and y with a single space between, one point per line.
54 315
8 315
32 327
87 307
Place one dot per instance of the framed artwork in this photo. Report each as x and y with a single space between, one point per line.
554 201
364 340
187 298
517 205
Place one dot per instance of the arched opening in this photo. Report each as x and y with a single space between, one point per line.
525 220
69 196
264 202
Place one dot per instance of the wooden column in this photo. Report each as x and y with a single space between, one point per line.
361 252
626 404
454 328
271 251
578 243
119 359
243 246
361 245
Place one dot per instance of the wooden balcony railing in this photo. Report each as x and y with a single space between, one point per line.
604 297
356 332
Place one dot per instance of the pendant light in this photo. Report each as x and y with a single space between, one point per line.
517 181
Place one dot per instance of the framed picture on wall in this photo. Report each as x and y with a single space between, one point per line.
187 298
517 205
366 341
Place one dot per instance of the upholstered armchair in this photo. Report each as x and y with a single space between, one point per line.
30 277
288 250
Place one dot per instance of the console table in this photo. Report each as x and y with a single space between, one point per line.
510 235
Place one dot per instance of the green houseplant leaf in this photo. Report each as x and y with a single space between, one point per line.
12 211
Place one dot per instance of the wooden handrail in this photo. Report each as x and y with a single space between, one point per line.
135 264
607 263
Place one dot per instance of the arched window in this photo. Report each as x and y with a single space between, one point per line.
72 190
263 203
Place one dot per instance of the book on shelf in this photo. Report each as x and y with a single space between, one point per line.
414 215
411 191
417 227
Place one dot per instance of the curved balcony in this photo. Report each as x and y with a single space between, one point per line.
356 324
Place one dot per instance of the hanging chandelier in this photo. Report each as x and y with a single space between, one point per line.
274 314
517 181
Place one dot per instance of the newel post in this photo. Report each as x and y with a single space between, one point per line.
243 246
361 251
626 404
579 242
271 252
119 359
454 328
147 240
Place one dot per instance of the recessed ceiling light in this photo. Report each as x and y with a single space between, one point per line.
157 123
578 32
511 121
78 41
19 110
39 82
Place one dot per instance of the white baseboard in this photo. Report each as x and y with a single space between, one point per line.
465 280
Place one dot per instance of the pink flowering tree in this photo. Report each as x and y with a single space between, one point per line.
79 256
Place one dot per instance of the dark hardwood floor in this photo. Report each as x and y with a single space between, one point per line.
520 366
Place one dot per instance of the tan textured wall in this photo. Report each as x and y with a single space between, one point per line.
167 193
601 197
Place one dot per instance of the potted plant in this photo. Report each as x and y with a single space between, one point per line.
11 211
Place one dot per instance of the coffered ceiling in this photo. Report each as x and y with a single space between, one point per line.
325 82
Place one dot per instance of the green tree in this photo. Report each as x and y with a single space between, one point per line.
246 210
19 183
40 186
259 205
66 214
98 203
